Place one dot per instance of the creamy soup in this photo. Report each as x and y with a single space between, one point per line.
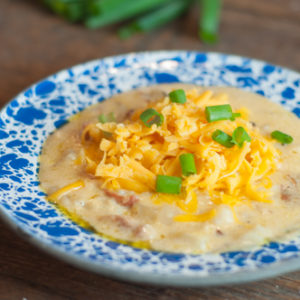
152 219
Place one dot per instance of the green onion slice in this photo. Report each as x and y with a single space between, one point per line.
234 116
178 96
187 163
151 116
168 184
222 138
218 112
281 137
107 118
239 136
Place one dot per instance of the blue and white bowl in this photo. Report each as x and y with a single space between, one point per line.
28 119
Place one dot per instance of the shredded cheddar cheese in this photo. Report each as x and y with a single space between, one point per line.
133 155
196 218
66 190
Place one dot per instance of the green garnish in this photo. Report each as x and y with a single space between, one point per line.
113 11
168 184
222 138
73 11
107 118
155 19
210 11
239 136
149 14
151 116
218 112
234 116
178 96
281 137
187 163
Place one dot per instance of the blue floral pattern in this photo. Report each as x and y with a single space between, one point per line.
28 119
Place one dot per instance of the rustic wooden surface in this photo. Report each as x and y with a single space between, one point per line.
34 43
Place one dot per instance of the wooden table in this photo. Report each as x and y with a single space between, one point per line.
34 43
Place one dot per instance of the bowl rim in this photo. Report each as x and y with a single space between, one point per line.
171 279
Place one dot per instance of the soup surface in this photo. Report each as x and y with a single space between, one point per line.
146 217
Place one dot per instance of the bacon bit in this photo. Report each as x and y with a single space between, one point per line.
132 200
287 190
87 136
285 197
128 114
219 232
139 231
128 201
90 133
121 222
285 193
117 197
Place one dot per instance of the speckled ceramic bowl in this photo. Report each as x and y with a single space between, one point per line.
28 119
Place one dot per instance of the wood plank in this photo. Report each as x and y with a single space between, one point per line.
35 43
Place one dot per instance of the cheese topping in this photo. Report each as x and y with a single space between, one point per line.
74 186
130 155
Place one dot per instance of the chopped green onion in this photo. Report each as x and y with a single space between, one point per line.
187 163
239 136
178 96
102 118
209 22
281 137
222 138
151 116
218 112
155 19
168 184
107 118
235 115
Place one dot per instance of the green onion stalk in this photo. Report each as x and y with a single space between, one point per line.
142 15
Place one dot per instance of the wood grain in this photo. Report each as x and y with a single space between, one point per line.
34 43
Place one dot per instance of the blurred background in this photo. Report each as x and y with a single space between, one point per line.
37 40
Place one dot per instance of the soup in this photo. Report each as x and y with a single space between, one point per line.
114 174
